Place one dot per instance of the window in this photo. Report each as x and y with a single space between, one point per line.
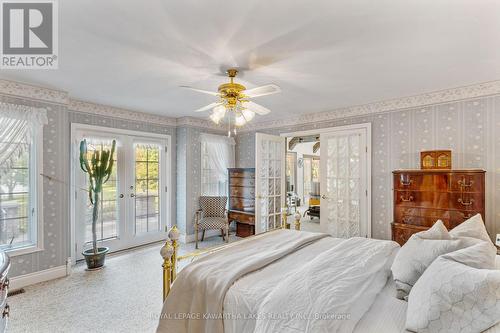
20 133
217 155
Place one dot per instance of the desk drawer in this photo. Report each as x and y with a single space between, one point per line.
246 218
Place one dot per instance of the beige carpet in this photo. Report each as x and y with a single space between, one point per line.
125 296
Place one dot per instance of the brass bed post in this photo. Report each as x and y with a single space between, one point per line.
297 217
173 234
284 224
169 255
166 252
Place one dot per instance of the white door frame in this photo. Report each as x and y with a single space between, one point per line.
166 172
368 128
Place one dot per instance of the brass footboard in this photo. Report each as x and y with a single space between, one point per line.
170 255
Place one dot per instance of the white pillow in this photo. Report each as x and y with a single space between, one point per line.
453 297
419 252
473 227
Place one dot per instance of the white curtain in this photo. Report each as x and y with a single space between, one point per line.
220 157
18 126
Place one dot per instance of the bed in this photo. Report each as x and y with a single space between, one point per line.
257 296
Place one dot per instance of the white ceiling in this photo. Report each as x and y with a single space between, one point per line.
324 54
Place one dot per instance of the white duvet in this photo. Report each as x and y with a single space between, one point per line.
329 293
332 292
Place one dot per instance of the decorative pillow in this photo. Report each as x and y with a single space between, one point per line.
473 227
419 252
454 297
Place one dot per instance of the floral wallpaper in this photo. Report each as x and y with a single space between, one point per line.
470 128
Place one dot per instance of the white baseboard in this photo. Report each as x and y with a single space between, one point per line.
191 239
22 281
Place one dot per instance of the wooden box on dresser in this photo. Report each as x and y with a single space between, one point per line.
4 290
242 200
421 197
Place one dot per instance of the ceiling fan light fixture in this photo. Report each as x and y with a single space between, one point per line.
248 114
233 100
239 120
220 111
215 118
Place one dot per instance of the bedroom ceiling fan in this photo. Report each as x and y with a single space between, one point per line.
234 100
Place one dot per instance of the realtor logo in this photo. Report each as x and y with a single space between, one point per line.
29 34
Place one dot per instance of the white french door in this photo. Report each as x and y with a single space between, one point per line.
345 182
269 181
133 209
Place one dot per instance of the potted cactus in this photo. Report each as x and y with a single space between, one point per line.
98 167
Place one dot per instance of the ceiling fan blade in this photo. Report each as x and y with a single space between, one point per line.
214 93
208 107
268 89
259 109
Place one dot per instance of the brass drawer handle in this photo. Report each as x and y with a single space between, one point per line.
463 183
466 217
406 183
406 220
410 198
6 311
471 201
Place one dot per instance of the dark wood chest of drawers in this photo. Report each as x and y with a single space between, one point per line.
242 200
421 197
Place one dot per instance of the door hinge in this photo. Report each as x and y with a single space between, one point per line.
366 149
166 149
166 189
366 192
76 194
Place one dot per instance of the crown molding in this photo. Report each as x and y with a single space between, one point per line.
432 98
111 111
199 123
32 92
36 93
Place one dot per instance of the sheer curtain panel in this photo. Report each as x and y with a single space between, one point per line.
217 155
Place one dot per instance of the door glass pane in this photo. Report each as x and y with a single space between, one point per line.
147 183
343 185
108 207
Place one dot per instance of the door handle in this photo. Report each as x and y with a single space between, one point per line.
132 195
121 195
324 197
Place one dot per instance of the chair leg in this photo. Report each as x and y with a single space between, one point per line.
227 233
203 235
196 235
222 234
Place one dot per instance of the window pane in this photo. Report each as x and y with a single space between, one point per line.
147 208
15 216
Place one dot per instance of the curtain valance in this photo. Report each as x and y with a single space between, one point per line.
18 126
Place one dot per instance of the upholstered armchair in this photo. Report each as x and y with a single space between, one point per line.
212 216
